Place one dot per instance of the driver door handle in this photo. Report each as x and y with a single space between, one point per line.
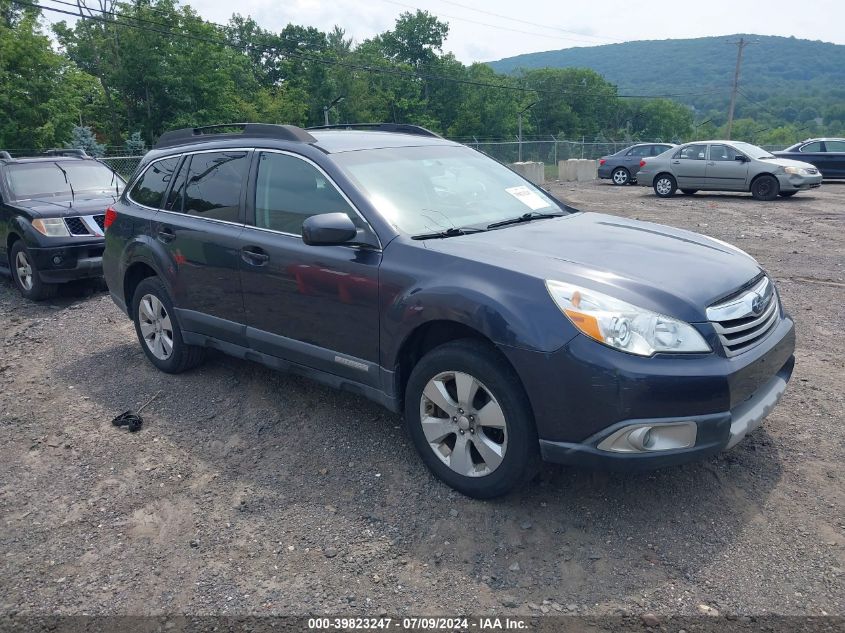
254 255
166 234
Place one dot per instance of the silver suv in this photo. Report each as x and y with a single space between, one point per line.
726 166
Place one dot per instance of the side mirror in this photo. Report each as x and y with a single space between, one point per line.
740 158
328 229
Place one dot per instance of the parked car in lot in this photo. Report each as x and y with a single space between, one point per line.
52 209
622 167
392 263
726 166
826 154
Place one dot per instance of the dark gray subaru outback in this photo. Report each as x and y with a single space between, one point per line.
392 263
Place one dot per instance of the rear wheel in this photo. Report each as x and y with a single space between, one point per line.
25 274
689 192
665 185
765 187
158 330
787 194
470 420
620 176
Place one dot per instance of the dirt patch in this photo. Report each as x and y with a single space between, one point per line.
254 492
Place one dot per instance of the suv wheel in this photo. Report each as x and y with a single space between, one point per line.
766 187
158 330
25 274
665 186
470 420
620 176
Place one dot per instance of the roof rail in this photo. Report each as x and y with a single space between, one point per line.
4 155
220 132
401 128
79 153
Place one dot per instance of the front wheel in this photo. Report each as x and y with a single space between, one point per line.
665 186
25 274
765 187
158 330
787 194
470 420
620 176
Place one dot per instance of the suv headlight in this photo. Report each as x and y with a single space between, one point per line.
622 325
51 227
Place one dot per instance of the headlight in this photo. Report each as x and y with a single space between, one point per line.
798 171
622 325
51 227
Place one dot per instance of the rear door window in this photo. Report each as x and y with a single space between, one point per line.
214 184
642 150
153 183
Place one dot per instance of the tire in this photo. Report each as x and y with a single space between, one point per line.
154 321
25 274
689 192
765 187
620 176
665 185
787 194
510 453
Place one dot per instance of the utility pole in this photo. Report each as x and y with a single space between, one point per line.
519 119
741 44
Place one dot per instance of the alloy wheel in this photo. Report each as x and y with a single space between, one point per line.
463 423
156 328
663 186
24 271
620 177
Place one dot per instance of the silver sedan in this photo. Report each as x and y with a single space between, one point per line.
726 166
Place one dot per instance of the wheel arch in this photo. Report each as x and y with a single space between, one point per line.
760 175
134 275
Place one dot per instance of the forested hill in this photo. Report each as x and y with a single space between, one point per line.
810 72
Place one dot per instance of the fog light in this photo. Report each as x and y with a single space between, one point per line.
648 438
57 259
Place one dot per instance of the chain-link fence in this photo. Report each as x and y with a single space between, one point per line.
123 165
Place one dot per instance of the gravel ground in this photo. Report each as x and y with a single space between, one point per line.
254 492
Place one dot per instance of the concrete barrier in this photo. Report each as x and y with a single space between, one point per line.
535 172
577 169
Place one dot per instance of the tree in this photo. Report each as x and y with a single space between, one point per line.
135 145
82 137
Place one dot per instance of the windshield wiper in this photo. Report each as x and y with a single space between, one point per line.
525 217
450 232
67 180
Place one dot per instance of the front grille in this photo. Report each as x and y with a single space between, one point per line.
739 326
101 221
76 226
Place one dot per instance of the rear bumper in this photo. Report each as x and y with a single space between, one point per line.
58 264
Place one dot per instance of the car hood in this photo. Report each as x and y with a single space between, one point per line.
788 162
671 271
57 207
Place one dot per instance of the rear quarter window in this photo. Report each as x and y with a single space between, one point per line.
150 187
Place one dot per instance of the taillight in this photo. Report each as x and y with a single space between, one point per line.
642 163
111 216
602 162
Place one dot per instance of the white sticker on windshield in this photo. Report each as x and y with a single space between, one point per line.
527 197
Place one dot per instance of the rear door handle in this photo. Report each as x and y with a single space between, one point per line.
676 162
254 255
166 234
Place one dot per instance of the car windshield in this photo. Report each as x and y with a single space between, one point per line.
61 178
422 190
752 151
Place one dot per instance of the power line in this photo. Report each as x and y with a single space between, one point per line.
331 62
494 26
543 26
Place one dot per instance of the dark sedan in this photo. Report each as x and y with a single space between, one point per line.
826 154
622 167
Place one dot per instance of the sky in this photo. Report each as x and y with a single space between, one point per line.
541 25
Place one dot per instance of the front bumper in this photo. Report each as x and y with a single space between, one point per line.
58 264
797 182
586 392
